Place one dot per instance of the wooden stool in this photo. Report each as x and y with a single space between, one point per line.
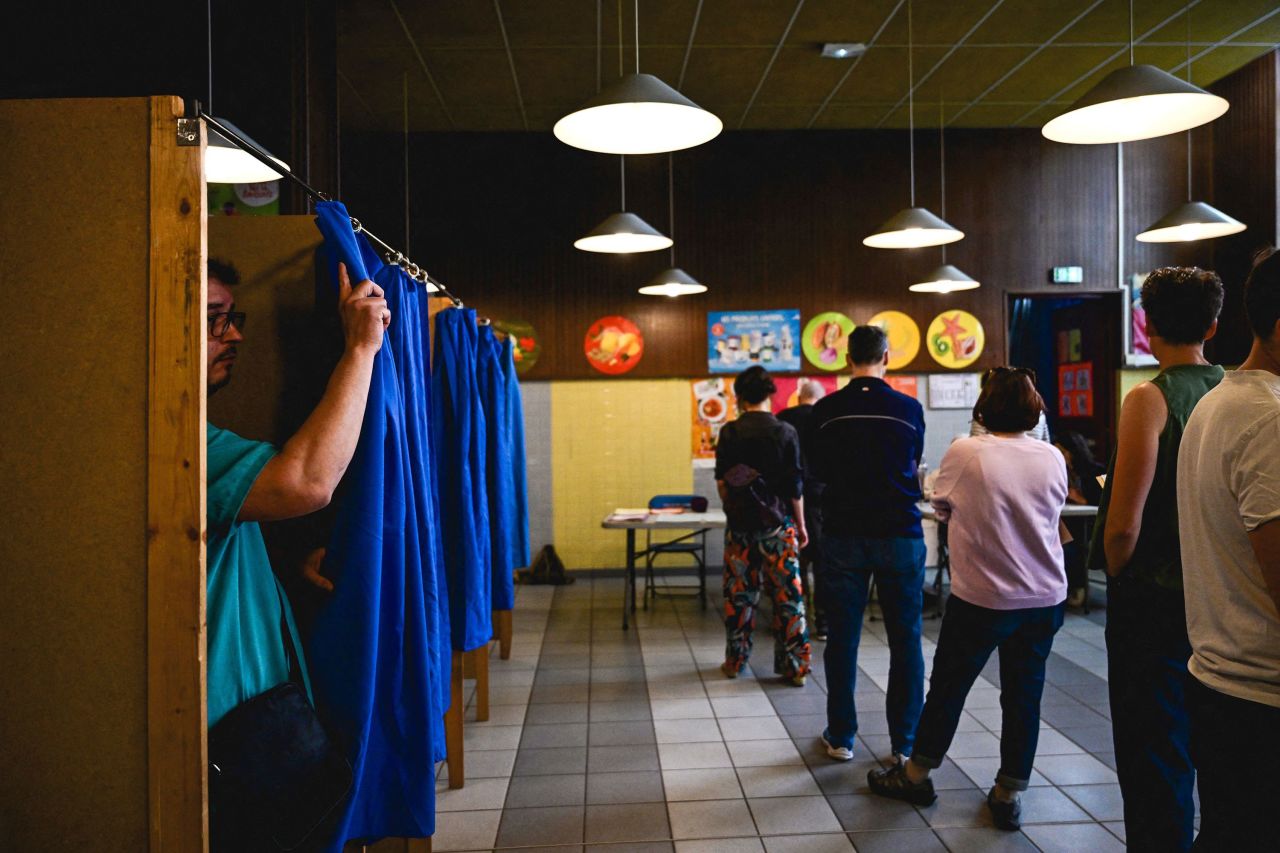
453 724
476 665
502 627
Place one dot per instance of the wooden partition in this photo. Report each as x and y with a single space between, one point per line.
102 519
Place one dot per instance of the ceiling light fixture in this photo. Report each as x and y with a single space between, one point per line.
673 281
1135 102
1194 220
843 50
945 278
913 227
639 114
623 233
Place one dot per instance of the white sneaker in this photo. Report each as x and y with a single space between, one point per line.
839 753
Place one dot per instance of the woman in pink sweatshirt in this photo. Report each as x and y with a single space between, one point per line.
1002 496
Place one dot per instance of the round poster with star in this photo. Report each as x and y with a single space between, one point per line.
613 345
955 339
904 337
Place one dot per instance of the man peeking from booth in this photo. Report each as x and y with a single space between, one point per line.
253 643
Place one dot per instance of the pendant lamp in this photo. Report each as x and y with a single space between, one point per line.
945 278
639 114
1137 102
674 281
1194 220
914 227
623 233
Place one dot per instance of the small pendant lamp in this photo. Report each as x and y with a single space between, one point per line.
945 278
1194 220
623 233
913 227
673 281
1137 102
639 114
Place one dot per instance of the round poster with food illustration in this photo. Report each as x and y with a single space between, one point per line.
904 337
613 345
825 340
525 346
955 339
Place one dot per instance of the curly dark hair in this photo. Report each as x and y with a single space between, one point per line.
1262 294
754 385
224 271
1182 303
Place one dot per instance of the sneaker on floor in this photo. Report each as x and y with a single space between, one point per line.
1006 815
898 758
1076 597
892 782
839 753
796 680
819 629
728 671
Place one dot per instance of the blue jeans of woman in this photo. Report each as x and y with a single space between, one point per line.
968 637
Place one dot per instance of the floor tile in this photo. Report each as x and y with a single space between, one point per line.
868 811
1102 802
1091 738
721 845
764 753
490 763
829 843
528 827
466 831
1073 837
535 791
778 782
636 786
554 735
983 771
637 847
624 711
1116 828
630 822
710 819
974 745
476 795
743 706
499 715
562 676
1050 805
897 841
675 690
712 783
483 737
621 733
681 709
556 712
605 759
542 762
958 808
701 730
1074 770
689 756
783 815
753 728
984 840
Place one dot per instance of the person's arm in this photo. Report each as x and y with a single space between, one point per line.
1142 417
949 469
1265 540
793 470
1256 482
302 477
802 532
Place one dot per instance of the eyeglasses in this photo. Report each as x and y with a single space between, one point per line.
222 321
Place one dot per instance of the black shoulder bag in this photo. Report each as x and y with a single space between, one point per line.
750 506
276 780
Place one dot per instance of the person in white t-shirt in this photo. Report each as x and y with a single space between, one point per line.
1228 506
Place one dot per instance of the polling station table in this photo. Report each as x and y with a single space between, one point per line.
693 522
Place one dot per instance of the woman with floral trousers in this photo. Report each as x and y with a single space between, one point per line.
771 560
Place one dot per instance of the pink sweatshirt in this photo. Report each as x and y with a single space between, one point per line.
1003 498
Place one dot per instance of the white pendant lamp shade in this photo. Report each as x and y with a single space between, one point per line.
1194 220
621 234
673 282
945 279
913 228
1138 102
226 163
638 115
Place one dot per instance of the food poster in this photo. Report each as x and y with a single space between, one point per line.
613 345
904 337
909 385
525 346
825 342
261 199
1075 390
713 407
955 339
737 340
788 393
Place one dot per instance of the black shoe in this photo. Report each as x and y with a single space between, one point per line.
893 782
1006 815
820 631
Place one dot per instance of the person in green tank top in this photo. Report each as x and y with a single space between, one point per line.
1136 543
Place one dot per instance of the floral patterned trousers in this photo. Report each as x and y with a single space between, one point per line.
771 559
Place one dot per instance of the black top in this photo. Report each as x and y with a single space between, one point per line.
866 443
801 417
760 440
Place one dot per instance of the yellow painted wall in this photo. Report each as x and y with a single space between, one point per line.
614 444
1132 377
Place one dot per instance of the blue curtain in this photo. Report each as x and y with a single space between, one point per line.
379 659
499 480
460 444
519 540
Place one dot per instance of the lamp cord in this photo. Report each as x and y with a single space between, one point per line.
1187 15
1130 33
911 107
599 68
209 45
405 78
671 207
942 166
620 72
622 171
636 4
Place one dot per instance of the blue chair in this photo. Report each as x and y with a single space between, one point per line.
691 545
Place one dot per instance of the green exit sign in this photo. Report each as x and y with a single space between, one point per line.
1066 275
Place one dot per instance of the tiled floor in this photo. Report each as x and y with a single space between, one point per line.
631 742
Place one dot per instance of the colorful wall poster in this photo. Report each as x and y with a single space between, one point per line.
737 340
1075 390
261 199
713 407
788 393
955 339
909 385
825 342
525 346
904 337
953 391
613 345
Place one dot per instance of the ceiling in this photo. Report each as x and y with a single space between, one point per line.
482 65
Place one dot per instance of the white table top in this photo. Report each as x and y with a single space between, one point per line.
669 521
1068 511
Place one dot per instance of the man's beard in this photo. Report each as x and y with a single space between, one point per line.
215 386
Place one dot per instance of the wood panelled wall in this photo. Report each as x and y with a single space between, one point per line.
776 220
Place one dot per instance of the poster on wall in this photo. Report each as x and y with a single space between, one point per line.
825 342
262 199
1075 390
1137 346
737 340
613 345
909 385
713 407
525 346
953 390
904 337
955 339
788 393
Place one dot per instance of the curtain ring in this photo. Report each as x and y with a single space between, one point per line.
356 226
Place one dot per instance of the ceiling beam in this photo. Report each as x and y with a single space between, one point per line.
422 63
688 48
511 63
856 60
772 59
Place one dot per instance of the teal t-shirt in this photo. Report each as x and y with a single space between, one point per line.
246 651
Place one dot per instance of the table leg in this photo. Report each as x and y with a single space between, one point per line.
629 581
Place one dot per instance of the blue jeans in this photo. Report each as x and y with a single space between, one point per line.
848 565
968 637
1147 652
